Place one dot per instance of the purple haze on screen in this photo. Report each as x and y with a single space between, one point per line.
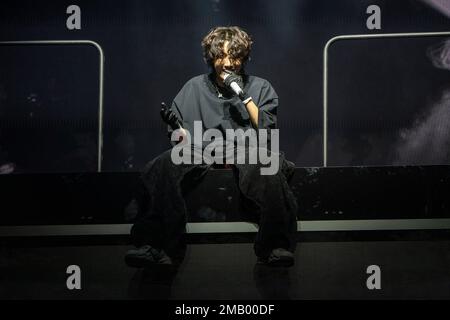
427 141
443 6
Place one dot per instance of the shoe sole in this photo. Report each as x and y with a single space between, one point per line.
137 262
281 262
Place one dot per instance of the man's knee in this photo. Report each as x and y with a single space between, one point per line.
161 160
165 157
255 171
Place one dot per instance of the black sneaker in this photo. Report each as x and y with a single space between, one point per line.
279 257
146 256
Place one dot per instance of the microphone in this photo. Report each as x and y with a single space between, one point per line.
232 83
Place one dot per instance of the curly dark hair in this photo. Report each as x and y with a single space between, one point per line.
240 44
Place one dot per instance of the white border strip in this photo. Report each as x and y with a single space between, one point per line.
229 227
325 70
101 68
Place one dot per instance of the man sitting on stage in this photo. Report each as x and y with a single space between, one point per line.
226 99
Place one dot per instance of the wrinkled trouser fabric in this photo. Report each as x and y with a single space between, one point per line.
162 213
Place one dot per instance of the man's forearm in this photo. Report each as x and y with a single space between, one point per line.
253 111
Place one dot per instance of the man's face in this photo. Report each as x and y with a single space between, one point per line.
222 65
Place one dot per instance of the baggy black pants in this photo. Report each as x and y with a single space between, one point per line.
161 218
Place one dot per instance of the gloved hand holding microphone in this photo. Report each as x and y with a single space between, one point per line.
172 119
234 82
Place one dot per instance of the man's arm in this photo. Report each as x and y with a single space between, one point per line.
253 112
263 116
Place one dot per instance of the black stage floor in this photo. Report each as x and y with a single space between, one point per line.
417 269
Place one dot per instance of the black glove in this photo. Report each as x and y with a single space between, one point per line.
232 77
169 117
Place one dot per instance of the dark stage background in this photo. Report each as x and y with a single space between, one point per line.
385 95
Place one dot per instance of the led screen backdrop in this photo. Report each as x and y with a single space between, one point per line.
380 90
50 107
389 102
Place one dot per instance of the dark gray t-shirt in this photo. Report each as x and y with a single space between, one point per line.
201 99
